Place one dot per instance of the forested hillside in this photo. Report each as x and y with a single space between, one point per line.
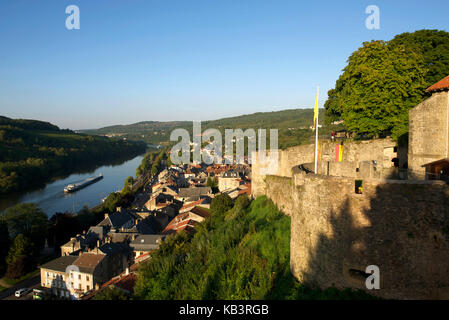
32 152
293 125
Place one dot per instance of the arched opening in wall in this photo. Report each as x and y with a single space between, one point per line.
395 162
358 275
358 186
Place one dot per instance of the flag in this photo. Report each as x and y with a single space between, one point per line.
338 153
315 111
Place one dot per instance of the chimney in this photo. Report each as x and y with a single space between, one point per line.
106 215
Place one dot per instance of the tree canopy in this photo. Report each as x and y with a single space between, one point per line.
221 203
26 219
384 80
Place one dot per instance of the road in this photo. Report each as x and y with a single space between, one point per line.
31 283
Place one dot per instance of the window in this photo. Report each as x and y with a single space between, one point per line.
87 288
359 186
79 277
87 278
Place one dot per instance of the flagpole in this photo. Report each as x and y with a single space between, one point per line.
316 129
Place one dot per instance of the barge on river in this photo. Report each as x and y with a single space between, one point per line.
85 183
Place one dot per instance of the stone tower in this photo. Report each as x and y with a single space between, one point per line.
429 130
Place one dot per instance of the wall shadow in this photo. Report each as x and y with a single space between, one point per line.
403 228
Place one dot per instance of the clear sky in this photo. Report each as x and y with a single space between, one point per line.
136 60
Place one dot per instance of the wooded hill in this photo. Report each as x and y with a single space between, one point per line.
293 125
33 152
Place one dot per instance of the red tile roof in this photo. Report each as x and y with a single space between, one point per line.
247 190
180 222
440 85
201 212
192 204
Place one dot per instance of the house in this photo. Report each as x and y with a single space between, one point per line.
124 282
186 221
93 268
72 276
429 131
159 199
80 242
202 202
193 194
245 189
128 222
89 271
229 180
143 244
54 275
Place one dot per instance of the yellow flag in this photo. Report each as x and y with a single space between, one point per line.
315 111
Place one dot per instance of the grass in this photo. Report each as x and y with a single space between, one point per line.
2 288
243 253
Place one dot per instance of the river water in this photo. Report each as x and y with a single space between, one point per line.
52 198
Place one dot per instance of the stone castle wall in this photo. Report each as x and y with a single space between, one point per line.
356 154
428 133
401 226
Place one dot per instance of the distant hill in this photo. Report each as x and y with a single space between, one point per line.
33 152
293 125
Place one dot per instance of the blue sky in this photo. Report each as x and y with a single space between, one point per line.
136 60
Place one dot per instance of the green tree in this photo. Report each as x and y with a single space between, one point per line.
221 203
4 245
433 45
112 201
377 88
111 294
20 258
127 188
29 220
154 169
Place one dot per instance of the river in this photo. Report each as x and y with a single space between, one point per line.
52 198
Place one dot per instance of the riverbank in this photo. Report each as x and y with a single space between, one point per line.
51 198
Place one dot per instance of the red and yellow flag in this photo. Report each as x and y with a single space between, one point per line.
315 111
338 153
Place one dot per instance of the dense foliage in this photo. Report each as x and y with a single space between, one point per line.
241 253
21 257
33 152
110 294
384 80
